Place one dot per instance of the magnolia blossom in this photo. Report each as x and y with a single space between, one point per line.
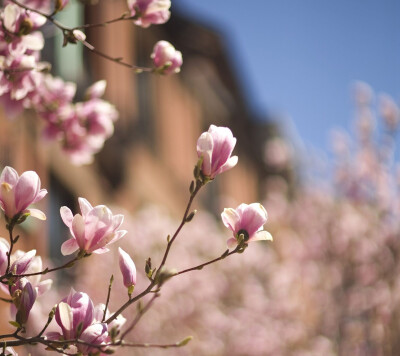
127 267
96 334
150 11
96 228
23 80
82 127
17 193
247 220
215 147
19 21
54 96
74 314
24 296
166 58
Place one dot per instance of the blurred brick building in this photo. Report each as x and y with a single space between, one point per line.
151 156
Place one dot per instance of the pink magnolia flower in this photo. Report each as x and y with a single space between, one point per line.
216 146
96 334
54 96
150 11
17 193
21 261
24 296
96 228
18 77
17 20
84 127
247 220
74 314
166 58
128 268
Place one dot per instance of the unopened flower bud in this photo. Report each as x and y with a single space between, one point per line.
128 269
79 35
166 58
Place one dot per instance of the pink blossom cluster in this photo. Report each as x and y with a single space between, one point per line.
79 319
83 127
24 290
328 285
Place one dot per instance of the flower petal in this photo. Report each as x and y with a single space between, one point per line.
69 247
262 236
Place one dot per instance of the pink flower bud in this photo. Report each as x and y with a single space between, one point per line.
246 220
17 193
96 90
127 268
24 296
150 12
74 314
215 147
79 35
166 58
92 231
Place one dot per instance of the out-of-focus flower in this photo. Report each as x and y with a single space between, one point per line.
53 99
166 58
118 322
74 314
96 90
246 220
83 128
96 334
92 231
24 296
150 12
18 76
4 248
17 20
128 268
41 287
215 147
18 192
389 111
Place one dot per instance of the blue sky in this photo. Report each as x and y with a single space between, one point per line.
298 58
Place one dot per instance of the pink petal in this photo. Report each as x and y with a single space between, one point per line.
44 286
230 163
85 206
66 216
69 247
205 149
262 236
26 190
9 175
78 229
230 218
232 242
36 213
